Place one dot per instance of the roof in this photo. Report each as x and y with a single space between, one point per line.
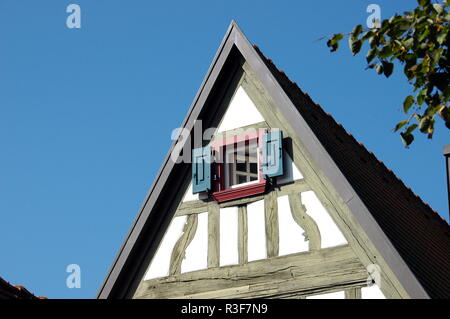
412 239
418 232
8 291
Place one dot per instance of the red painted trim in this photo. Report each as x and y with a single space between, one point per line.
239 192
218 173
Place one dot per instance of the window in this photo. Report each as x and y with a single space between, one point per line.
237 166
241 164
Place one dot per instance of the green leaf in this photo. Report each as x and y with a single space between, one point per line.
444 113
333 43
408 103
447 92
357 30
379 68
424 3
439 80
404 26
424 34
388 68
421 97
371 54
424 124
373 41
355 45
407 139
420 20
368 35
438 8
408 43
411 59
385 52
410 128
400 125
436 55
414 67
441 36
337 37
333 46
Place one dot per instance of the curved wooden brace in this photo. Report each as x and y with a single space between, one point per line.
298 211
179 250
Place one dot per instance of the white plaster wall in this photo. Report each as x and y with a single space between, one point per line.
291 172
229 254
159 266
291 234
373 292
331 295
256 231
329 232
188 196
241 112
196 256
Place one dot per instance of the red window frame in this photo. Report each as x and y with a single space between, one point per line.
220 194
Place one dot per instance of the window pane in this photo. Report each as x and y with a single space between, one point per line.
242 179
241 163
253 168
241 167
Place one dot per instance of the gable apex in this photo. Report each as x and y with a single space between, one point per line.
241 112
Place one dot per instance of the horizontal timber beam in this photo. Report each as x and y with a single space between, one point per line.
301 274
200 206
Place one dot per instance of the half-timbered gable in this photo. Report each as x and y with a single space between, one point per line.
277 202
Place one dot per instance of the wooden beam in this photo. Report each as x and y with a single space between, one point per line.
179 250
192 207
299 274
298 211
271 218
200 206
242 234
353 293
213 235
241 201
298 186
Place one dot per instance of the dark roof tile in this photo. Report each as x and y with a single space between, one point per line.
8 291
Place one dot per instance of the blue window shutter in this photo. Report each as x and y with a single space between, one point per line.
201 169
272 154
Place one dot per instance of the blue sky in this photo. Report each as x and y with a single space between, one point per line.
86 114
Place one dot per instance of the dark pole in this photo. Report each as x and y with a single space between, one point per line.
447 165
